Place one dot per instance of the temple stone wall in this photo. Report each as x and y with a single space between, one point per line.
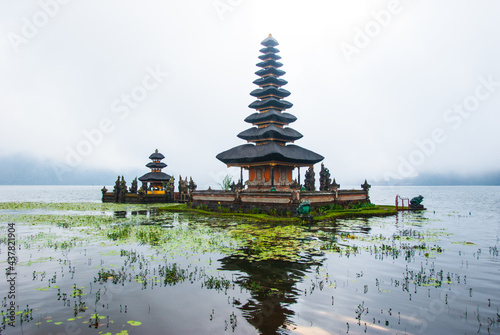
130 198
247 201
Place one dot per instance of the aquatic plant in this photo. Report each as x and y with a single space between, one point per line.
226 182
278 242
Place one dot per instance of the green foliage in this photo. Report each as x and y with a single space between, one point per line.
72 206
368 211
217 283
254 210
119 232
172 274
338 208
330 207
280 242
361 205
225 185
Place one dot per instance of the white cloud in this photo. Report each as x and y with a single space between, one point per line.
361 115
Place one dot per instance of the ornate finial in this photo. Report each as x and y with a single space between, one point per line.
334 184
156 151
270 35
366 186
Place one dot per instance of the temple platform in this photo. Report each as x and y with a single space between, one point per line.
265 202
150 198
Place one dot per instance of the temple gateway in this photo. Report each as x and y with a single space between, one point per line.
270 157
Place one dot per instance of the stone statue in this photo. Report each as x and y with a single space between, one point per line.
416 203
133 187
192 185
416 200
171 185
141 191
324 179
179 187
182 185
366 186
309 179
334 186
123 186
304 208
294 185
116 189
123 190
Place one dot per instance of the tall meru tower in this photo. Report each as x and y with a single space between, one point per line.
267 156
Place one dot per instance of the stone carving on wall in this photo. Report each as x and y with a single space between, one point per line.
309 180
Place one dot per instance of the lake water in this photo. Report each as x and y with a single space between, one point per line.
430 272
44 193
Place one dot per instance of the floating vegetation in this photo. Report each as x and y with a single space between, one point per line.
274 242
463 243
77 206
114 273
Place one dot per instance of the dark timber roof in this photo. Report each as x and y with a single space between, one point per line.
270 90
269 50
153 165
270 71
270 56
270 152
270 80
155 176
269 62
271 103
272 134
156 156
270 41
271 115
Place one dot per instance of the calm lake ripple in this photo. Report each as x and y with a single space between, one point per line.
82 270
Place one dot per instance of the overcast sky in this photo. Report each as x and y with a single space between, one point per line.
380 88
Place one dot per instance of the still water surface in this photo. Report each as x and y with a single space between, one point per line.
431 272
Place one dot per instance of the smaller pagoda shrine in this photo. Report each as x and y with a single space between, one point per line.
157 186
156 178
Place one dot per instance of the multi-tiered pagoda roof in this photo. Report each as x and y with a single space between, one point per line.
269 137
156 165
